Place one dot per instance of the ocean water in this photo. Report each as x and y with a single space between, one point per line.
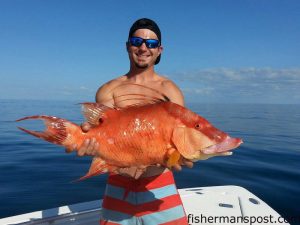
36 175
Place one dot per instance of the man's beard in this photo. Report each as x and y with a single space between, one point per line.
143 66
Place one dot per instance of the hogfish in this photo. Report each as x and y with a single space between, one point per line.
139 135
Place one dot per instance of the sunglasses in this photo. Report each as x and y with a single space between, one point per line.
150 43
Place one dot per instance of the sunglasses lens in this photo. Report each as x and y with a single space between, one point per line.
135 41
152 43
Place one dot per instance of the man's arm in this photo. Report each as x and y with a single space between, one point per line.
173 92
104 94
175 95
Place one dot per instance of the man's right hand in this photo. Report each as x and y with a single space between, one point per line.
89 146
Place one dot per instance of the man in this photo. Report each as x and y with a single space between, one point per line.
140 195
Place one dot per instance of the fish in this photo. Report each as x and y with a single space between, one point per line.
139 135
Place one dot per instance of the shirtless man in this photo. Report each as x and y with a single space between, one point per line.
144 51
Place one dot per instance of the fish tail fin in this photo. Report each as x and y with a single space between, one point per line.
58 131
98 166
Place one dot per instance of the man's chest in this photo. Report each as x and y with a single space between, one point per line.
131 94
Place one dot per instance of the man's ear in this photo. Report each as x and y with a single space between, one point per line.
161 48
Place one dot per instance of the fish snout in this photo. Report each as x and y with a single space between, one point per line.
226 145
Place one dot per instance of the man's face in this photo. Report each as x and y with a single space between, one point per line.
143 57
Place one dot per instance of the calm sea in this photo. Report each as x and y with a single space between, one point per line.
36 175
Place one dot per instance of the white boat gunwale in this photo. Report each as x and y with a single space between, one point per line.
231 201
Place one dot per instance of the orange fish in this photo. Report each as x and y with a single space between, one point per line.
139 135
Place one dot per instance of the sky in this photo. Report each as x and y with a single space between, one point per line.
216 51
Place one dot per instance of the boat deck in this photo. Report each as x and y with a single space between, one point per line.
203 205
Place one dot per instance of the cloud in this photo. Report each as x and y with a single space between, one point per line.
203 91
76 92
245 84
245 74
73 90
83 88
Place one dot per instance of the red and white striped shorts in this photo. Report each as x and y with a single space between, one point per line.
146 201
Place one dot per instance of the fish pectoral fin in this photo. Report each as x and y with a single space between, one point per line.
173 158
98 166
93 112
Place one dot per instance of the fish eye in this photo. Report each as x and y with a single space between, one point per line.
197 126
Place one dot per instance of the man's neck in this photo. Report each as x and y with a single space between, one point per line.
139 75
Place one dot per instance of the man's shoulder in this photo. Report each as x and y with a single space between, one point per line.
172 90
113 83
106 90
169 84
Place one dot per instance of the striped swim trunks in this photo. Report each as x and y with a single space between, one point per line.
146 201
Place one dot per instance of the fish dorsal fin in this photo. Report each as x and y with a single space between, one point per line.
140 95
93 112
140 98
